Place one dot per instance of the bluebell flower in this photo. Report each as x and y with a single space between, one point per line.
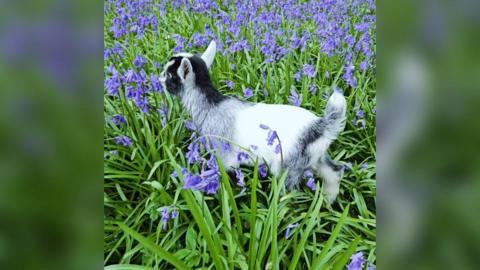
165 217
139 61
241 156
190 125
240 177
230 84
312 88
298 76
263 126
311 184
309 70
226 146
119 119
294 98
371 267
289 228
357 261
123 140
263 171
248 93
193 154
253 147
174 213
360 113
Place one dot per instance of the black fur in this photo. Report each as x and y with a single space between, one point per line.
202 79
174 84
312 134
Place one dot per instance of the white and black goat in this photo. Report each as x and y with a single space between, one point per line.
304 136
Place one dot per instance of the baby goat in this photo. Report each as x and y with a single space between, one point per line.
303 137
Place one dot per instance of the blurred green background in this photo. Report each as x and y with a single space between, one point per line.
51 163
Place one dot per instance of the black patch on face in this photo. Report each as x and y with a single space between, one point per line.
311 134
173 82
203 81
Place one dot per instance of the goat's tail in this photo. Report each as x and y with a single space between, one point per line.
335 115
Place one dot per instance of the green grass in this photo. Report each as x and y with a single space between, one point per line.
232 230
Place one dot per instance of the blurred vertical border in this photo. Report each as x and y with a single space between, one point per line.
51 132
428 134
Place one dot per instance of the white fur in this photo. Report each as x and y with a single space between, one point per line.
209 54
288 121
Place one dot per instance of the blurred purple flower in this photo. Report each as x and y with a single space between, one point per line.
309 70
356 261
123 140
241 156
119 119
262 169
289 228
312 88
360 114
174 214
165 217
189 125
139 61
230 84
294 98
240 177
248 93
311 184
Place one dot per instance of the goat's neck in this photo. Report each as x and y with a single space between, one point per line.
196 105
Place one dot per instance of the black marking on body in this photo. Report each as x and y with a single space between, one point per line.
311 134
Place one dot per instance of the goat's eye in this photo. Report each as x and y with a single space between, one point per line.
169 75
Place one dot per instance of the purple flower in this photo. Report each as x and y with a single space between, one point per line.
119 119
240 177
139 61
165 217
364 166
364 65
163 111
193 154
371 267
262 169
123 140
241 156
174 213
248 93
156 85
289 228
232 66
230 84
294 98
312 88
360 113
190 125
311 184
192 181
253 147
272 136
262 126
298 76
226 146
356 261
309 70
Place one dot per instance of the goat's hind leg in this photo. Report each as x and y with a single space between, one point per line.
331 173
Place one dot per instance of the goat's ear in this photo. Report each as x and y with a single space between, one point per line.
209 53
184 69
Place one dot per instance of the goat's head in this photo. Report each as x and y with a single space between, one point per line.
184 71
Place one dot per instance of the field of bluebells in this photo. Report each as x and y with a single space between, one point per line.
168 203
